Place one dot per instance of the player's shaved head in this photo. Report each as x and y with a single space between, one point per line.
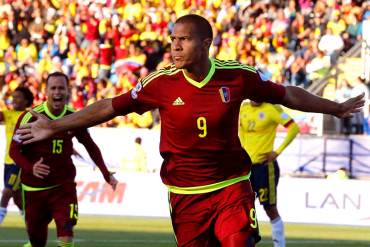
57 74
201 25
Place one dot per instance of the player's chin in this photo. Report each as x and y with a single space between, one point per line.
179 64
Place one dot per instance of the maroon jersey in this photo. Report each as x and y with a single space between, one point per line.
55 151
199 120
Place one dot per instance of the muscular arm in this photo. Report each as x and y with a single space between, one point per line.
96 113
43 127
16 153
300 99
292 131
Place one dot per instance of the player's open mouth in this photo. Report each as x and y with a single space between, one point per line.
57 98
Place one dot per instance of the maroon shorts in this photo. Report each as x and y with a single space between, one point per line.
207 219
41 207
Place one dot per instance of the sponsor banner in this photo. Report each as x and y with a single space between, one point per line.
343 202
300 200
137 194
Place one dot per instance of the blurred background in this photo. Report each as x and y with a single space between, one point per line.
104 46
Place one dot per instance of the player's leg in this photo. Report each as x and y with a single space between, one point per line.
37 217
271 179
236 223
10 179
192 218
65 213
16 190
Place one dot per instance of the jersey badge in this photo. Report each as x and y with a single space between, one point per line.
261 115
136 89
225 94
284 115
178 101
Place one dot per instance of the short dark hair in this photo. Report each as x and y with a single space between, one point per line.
27 94
203 28
57 74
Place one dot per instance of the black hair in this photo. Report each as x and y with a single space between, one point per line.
202 26
57 74
28 95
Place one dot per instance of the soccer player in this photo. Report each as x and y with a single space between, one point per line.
48 172
22 98
257 131
204 167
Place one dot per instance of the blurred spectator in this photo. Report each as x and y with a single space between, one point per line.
331 44
366 43
359 122
343 93
113 43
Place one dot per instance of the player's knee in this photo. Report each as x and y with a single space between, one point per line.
272 212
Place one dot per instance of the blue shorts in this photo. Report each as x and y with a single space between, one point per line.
264 180
11 176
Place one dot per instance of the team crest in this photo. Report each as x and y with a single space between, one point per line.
136 89
225 94
261 115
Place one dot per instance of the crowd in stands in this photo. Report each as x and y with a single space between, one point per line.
104 46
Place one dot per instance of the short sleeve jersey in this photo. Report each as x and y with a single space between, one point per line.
10 119
199 120
258 126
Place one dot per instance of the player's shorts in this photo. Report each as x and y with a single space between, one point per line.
11 176
264 180
41 206
205 220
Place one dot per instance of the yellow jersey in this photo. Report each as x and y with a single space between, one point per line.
257 130
10 120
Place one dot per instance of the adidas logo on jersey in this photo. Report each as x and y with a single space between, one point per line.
178 101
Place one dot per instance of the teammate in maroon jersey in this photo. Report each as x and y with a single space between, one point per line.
204 167
48 172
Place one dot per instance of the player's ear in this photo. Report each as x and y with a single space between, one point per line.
207 43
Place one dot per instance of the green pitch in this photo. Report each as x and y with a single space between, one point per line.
109 231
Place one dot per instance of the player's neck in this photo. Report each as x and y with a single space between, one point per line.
199 71
55 111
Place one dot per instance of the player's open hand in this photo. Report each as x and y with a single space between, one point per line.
35 131
113 181
351 106
40 170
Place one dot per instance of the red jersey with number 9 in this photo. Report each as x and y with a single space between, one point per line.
199 120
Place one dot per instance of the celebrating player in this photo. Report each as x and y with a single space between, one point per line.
48 172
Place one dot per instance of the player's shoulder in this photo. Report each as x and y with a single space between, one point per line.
166 71
26 116
233 64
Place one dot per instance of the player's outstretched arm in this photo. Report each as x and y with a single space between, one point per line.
300 99
43 128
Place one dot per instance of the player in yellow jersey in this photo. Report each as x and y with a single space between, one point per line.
22 98
257 131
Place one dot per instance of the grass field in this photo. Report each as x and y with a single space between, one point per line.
109 231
